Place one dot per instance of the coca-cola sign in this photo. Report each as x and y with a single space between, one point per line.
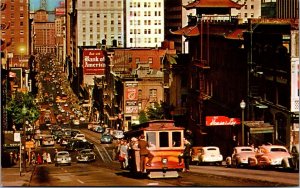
93 62
221 120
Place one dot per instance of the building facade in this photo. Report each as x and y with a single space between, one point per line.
144 25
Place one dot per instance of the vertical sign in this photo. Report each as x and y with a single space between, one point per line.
131 97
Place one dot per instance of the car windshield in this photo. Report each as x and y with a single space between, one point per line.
278 150
212 151
246 149
62 153
85 151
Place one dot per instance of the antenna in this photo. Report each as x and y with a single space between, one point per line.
43 5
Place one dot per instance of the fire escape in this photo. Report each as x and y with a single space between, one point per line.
203 67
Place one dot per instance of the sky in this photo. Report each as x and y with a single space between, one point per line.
51 4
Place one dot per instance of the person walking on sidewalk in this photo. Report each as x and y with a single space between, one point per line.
39 159
49 161
45 157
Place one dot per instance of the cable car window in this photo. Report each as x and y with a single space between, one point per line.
176 139
164 139
151 138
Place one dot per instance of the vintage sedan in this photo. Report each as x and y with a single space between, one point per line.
86 155
240 156
206 154
106 138
270 156
62 157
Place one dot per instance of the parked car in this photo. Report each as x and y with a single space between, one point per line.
206 154
62 157
106 138
78 145
270 156
240 156
118 134
48 140
79 136
86 155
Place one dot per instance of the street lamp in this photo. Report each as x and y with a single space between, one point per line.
243 105
24 113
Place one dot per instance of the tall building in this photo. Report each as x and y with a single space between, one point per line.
144 23
177 17
15 17
251 9
44 31
100 21
287 9
268 8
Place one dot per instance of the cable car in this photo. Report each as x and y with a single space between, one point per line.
166 144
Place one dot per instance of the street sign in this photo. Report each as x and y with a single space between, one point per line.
29 144
17 137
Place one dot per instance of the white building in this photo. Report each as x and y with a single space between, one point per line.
100 20
251 9
144 23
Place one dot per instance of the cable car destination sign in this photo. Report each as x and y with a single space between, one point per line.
221 120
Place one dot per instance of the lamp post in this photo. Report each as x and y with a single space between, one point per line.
243 105
24 113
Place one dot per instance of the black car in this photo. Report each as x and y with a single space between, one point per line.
77 145
74 132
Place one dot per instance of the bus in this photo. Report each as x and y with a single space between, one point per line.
166 144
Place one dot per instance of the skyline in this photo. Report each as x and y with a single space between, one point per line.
51 4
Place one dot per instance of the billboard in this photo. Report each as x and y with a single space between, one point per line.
93 62
60 11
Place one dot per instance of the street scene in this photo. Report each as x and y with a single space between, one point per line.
110 93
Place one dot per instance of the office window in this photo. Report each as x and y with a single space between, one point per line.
152 92
83 3
245 15
246 7
140 92
91 3
252 6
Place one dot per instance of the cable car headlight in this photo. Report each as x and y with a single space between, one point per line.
164 161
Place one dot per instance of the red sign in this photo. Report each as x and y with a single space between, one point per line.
93 62
60 11
221 120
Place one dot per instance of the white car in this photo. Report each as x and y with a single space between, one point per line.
48 140
118 134
62 157
206 154
240 156
79 136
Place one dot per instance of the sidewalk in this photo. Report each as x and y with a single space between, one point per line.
11 176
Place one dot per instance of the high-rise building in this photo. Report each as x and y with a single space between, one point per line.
144 23
251 9
177 17
15 17
287 9
100 21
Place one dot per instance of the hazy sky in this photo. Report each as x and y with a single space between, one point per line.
51 4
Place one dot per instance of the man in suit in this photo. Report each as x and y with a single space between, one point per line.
144 152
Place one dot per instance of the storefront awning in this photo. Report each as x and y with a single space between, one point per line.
259 127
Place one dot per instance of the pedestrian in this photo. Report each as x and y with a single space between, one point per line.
144 152
124 154
49 161
44 157
39 159
186 155
134 156
33 158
